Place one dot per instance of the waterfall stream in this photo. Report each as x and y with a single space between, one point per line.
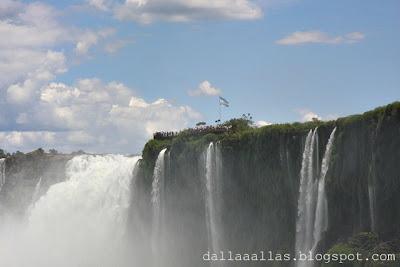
321 213
312 218
213 169
36 193
156 200
305 222
78 222
2 173
372 204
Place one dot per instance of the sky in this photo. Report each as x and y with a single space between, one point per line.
103 75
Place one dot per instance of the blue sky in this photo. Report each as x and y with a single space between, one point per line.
281 61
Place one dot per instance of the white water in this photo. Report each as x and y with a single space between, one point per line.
305 220
372 201
156 200
2 173
312 219
36 193
78 222
321 213
213 166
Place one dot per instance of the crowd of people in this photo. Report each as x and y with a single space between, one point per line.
164 135
200 130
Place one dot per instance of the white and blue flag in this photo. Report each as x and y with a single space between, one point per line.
223 101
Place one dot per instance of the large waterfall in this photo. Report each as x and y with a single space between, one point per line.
78 222
156 199
213 196
2 173
312 218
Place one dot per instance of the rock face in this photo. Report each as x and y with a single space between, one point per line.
22 175
259 185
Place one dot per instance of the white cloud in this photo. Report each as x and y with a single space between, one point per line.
103 5
113 47
94 116
26 140
91 38
31 31
305 37
51 64
148 11
262 123
29 56
8 7
308 115
205 89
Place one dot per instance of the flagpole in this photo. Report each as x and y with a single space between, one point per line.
220 111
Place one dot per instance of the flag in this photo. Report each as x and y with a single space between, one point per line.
223 101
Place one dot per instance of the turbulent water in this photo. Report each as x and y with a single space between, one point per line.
312 218
156 199
78 222
213 200
2 172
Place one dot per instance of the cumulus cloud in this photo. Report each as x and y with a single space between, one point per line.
28 140
32 31
33 34
95 116
308 115
306 37
36 112
51 64
262 123
91 38
148 11
205 89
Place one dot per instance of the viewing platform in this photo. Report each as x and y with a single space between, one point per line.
201 130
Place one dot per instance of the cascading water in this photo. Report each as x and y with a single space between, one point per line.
312 218
2 173
321 213
36 193
372 204
78 222
156 200
305 220
213 199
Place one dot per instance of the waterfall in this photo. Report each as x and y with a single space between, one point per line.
213 167
372 205
321 213
36 193
312 219
2 172
156 200
78 222
305 221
